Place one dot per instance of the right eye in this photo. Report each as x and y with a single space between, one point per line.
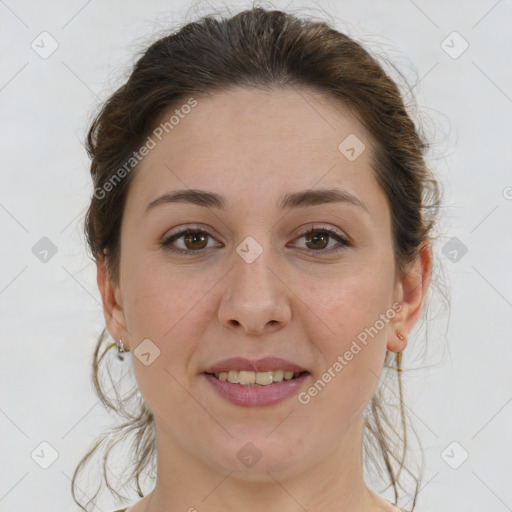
194 240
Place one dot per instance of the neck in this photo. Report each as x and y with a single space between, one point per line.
333 483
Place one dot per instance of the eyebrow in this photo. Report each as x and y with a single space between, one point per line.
293 200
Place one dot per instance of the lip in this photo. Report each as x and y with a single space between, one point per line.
257 396
265 364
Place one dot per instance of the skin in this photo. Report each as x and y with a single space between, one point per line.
252 147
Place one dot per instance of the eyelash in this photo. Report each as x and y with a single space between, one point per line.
166 243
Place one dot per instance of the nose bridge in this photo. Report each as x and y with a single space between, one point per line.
252 278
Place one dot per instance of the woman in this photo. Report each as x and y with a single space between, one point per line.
261 223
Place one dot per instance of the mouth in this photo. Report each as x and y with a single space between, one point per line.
256 379
256 382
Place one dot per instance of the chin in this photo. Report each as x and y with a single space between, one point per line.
251 459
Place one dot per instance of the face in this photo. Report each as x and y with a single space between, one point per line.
306 283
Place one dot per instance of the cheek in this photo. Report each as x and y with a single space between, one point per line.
171 315
165 309
352 337
161 301
349 301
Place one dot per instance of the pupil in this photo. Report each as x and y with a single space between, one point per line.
192 237
315 238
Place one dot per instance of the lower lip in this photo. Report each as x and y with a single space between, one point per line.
257 396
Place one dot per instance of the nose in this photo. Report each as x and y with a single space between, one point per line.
255 298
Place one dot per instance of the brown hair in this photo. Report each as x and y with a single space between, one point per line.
261 48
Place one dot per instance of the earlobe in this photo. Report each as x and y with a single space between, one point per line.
111 299
413 287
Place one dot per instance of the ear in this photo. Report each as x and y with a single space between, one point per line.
410 292
112 306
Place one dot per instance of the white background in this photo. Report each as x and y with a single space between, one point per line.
51 314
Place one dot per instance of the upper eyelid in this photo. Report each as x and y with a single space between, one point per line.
198 227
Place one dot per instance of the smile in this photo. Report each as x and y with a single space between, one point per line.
248 378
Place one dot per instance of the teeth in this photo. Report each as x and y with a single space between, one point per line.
246 378
233 377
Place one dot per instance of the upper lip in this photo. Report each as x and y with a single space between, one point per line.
265 364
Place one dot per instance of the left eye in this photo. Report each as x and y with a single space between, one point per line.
318 236
195 240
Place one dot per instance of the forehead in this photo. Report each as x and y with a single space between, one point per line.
259 144
286 121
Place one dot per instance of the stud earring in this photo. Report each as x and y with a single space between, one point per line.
400 336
